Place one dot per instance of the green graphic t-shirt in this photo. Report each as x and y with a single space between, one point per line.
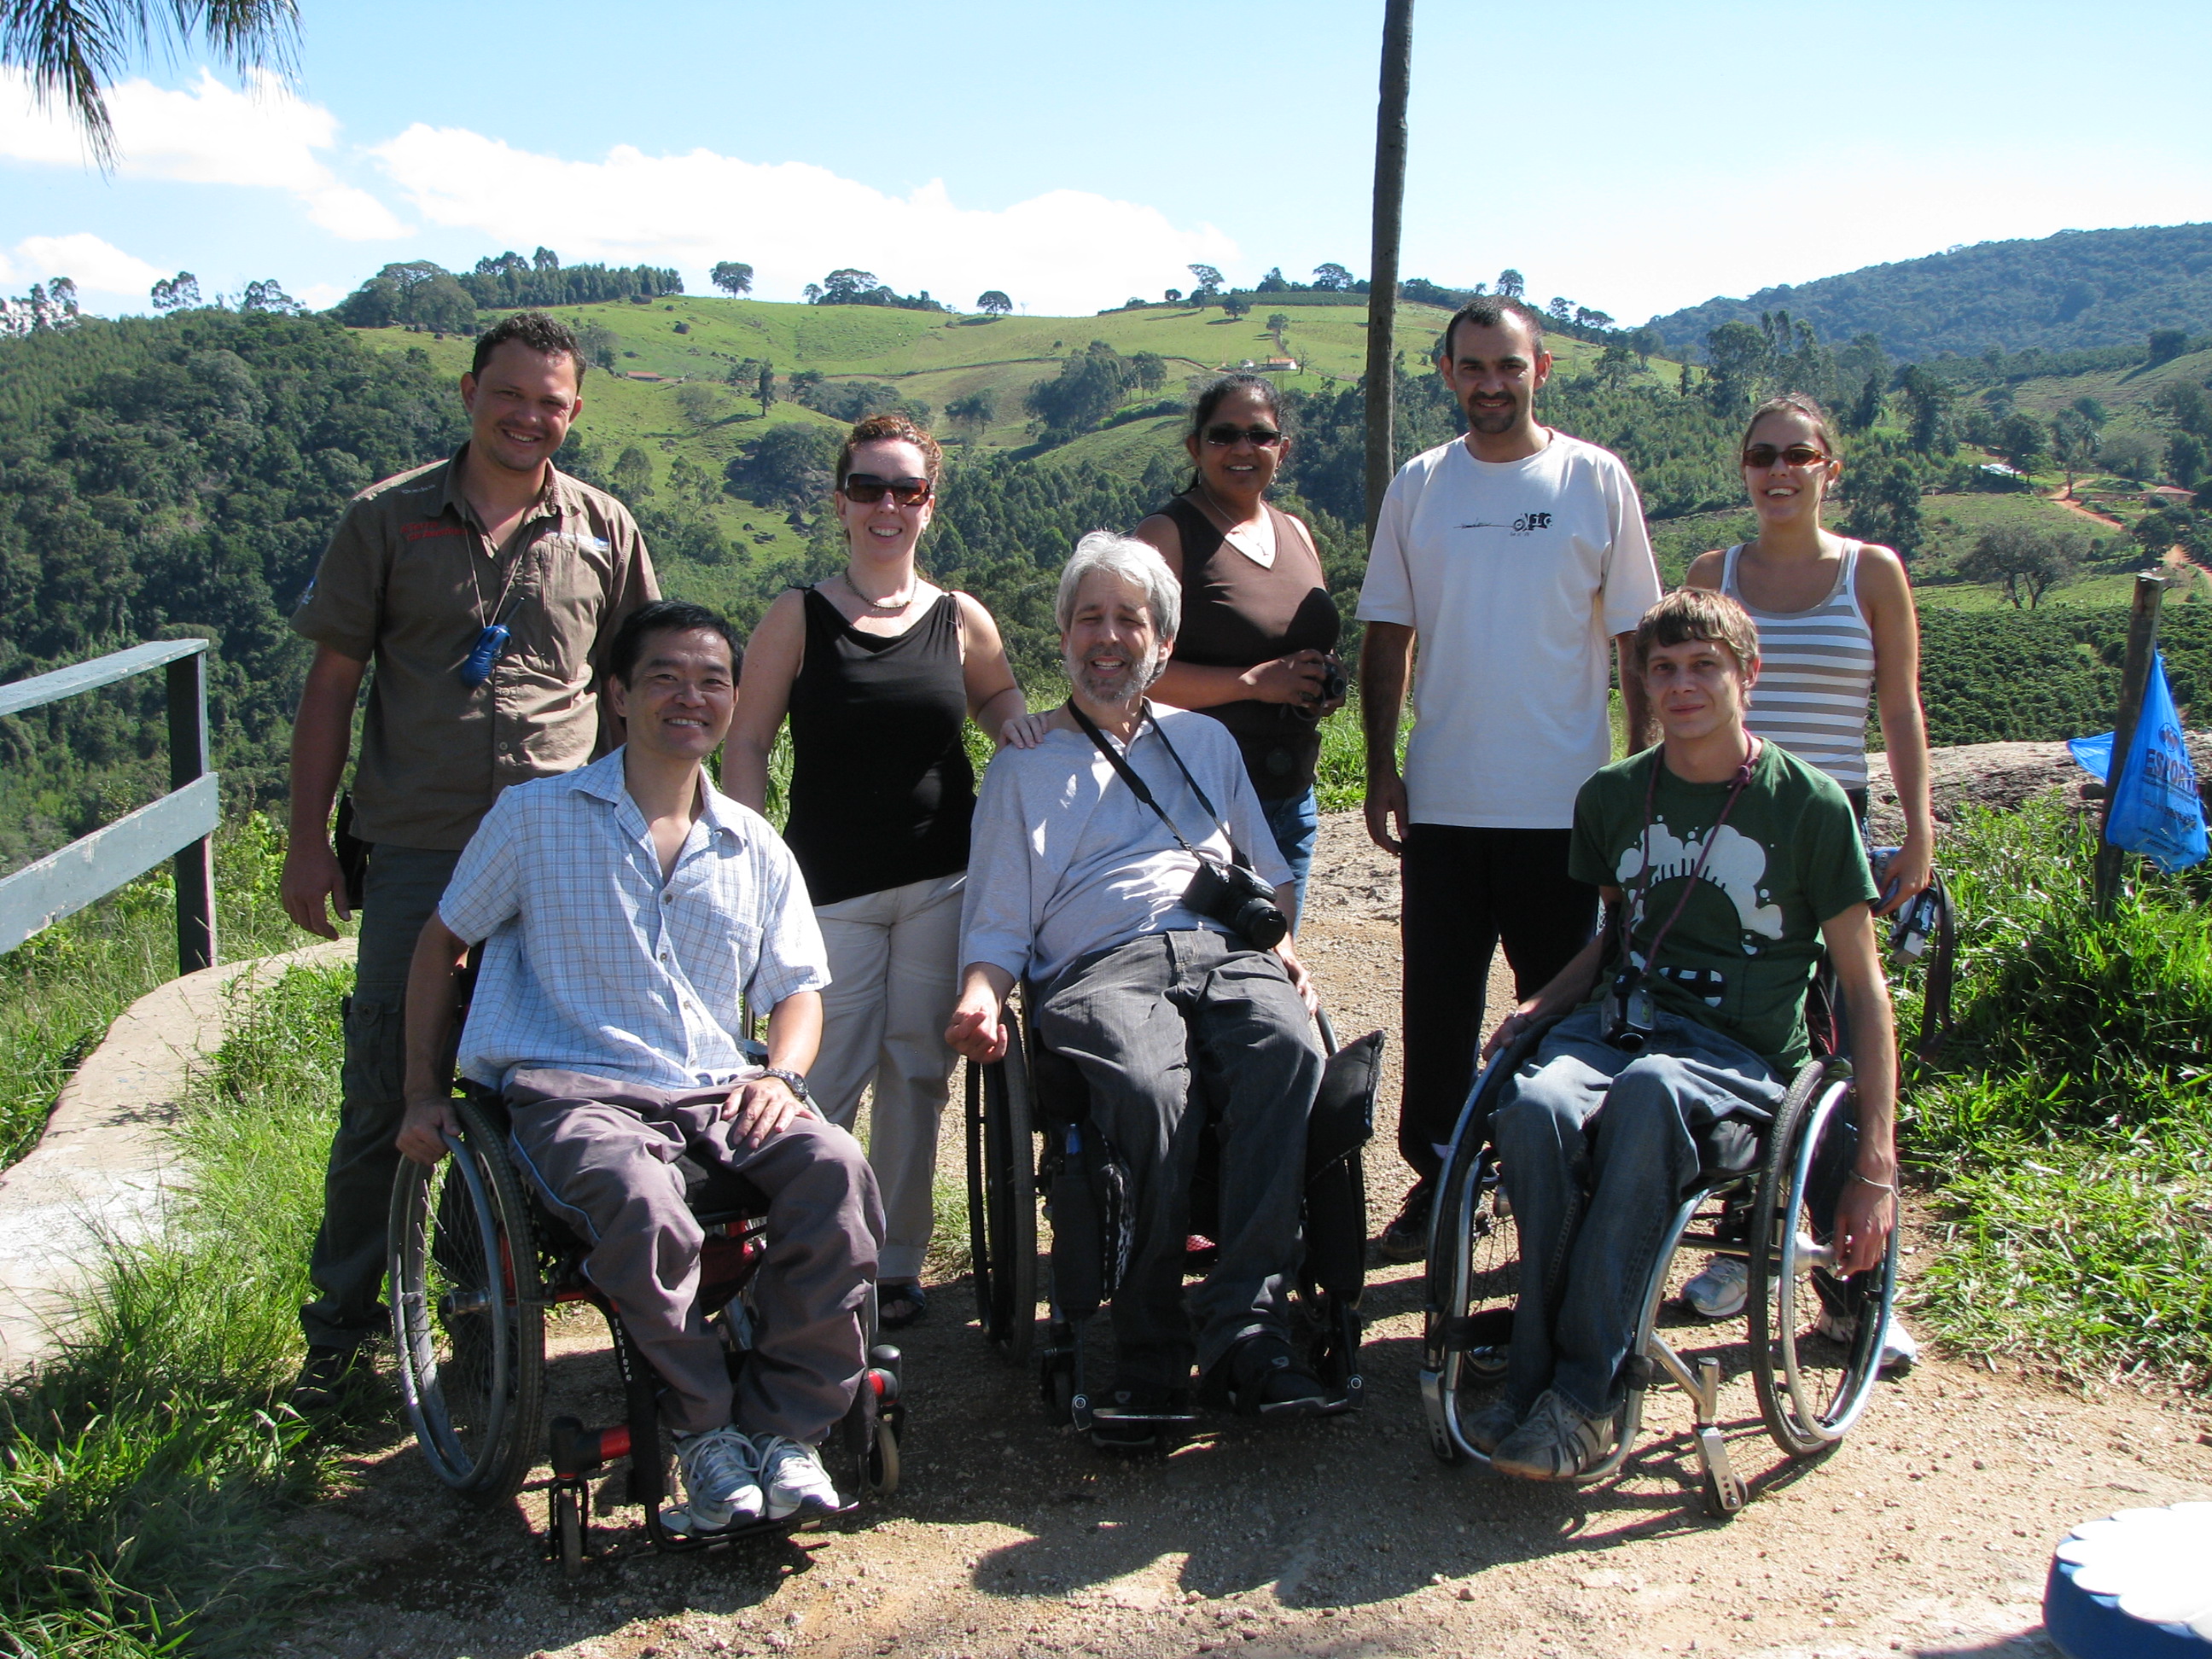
1742 952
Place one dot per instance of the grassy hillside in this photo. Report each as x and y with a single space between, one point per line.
2078 288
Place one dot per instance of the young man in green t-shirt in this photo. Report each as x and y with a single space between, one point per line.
1726 866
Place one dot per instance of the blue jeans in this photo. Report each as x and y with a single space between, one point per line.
1295 822
1597 1147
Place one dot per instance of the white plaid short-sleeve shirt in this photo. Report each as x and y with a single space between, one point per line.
593 964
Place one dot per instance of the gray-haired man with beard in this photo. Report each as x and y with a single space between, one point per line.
1078 885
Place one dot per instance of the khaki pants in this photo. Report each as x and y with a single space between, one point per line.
894 977
603 1153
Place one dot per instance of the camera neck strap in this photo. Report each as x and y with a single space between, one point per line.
1138 786
1736 786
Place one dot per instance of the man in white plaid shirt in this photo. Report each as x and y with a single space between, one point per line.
630 910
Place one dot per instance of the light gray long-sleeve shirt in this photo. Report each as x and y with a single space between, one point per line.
1065 860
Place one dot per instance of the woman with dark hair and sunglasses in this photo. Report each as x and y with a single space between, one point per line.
879 671
1256 649
1836 624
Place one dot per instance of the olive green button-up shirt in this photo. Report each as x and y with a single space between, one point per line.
408 583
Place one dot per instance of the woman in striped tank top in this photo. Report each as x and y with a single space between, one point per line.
1836 623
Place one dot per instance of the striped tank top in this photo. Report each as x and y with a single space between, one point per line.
1815 673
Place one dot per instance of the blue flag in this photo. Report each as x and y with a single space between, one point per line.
2156 809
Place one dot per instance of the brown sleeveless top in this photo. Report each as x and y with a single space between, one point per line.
1235 614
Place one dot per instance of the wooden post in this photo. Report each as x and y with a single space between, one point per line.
195 863
1382 265
2134 680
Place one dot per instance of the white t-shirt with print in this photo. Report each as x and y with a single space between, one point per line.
1515 576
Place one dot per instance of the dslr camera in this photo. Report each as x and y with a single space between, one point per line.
1629 1013
1236 898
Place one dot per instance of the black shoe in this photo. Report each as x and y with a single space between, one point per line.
1260 1377
330 1377
1141 1429
899 1306
1406 1238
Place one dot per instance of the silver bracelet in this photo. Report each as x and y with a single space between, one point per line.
1878 1186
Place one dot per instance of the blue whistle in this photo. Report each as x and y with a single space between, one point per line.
478 669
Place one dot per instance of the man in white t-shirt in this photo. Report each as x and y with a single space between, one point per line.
1514 555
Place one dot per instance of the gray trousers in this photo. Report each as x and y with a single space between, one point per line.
1598 1147
1142 1022
347 1265
603 1153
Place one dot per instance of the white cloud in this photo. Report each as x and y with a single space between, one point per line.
95 266
264 136
1065 251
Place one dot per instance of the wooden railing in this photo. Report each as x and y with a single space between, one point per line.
181 822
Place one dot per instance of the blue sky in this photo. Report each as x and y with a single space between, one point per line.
1632 157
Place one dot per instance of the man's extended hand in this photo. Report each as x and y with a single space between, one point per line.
1865 1213
1386 800
1301 981
976 1032
1510 1027
311 878
762 1106
423 1128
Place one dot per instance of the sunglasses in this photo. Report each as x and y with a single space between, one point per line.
1223 435
1760 457
867 489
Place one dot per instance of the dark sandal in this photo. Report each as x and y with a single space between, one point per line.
899 1306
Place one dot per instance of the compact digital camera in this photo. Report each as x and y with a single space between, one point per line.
1236 898
1333 684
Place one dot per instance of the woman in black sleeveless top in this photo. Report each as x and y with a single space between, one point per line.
879 671
1258 631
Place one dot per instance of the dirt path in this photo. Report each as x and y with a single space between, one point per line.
1928 1532
2105 520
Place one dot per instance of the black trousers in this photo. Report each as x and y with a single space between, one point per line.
1464 891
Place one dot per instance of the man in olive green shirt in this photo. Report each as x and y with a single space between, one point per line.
484 589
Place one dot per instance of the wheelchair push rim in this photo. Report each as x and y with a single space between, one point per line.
467 1312
1812 1386
1002 1197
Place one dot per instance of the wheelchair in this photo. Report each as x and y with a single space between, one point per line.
1765 1195
1029 1140
475 1260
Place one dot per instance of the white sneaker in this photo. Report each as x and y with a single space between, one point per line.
1900 1349
1720 1290
721 1481
795 1480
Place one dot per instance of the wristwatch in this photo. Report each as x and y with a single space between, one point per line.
794 1081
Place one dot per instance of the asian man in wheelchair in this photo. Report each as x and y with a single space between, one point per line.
630 913
1122 866
1727 866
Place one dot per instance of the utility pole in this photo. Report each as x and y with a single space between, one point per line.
1382 264
2134 680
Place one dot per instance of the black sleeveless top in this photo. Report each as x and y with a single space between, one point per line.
881 790
1235 613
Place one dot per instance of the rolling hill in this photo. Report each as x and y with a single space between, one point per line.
2080 288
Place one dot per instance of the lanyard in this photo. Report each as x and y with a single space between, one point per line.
1137 786
1644 846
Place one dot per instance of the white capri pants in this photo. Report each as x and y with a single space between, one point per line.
893 978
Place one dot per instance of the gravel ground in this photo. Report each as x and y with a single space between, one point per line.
1928 1532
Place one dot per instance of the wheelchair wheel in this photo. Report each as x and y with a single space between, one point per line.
1473 1281
568 1530
1002 1213
468 1312
1815 1337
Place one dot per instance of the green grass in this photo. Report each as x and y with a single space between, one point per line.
146 1472
2068 1126
65 985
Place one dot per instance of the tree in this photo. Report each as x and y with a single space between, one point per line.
1511 284
813 293
1173 296
994 302
1274 282
2023 440
791 466
1235 304
632 474
503 265
1740 357
1332 278
601 345
1151 369
765 390
1089 385
2089 409
1928 397
2130 454
1586 318
2167 344
733 277
545 259
1646 344
845 287
1561 310
179 293
1616 364
1277 322
970 415
1209 281
1885 505
2025 563
2184 458
697 401
1865 408
71 51
2073 442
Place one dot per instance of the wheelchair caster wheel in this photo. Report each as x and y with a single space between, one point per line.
569 1530
883 1456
